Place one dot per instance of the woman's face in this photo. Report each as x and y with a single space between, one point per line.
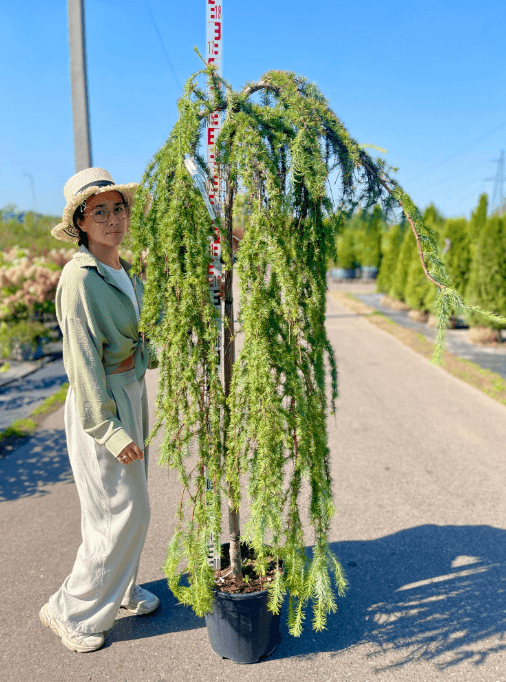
111 232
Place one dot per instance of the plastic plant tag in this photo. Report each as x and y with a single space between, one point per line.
199 180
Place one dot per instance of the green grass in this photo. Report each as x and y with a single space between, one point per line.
24 427
54 400
19 428
33 233
377 312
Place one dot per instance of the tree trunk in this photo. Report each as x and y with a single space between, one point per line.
229 352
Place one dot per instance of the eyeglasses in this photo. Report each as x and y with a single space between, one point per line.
101 215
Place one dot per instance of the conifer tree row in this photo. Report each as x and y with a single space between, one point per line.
279 143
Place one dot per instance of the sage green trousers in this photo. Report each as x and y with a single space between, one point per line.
115 513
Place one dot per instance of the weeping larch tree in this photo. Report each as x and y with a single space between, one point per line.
282 145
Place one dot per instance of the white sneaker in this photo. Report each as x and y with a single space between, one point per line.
141 602
75 641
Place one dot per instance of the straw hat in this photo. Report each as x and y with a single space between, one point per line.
78 189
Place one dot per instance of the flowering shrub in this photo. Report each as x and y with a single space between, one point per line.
28 283
27 289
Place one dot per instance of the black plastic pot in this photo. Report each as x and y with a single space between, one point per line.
344 273
369 272
240 627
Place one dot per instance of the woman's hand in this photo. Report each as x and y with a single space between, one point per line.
130 454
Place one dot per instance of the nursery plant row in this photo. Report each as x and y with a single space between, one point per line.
473 254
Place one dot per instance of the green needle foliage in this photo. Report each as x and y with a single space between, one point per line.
346 252
368 237
407 252
390 246
458 252
487 277
417 285
279 144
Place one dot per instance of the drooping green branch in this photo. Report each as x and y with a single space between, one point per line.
279 144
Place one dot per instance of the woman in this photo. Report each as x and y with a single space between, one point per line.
106 413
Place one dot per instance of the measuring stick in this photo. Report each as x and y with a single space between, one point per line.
214 37
200 181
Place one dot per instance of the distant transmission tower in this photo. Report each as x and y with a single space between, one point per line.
498 181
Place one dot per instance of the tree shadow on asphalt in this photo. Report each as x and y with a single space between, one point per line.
27 393
40 461
426 594
430 593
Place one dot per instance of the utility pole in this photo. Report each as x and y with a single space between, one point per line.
32 182
79 83
498 181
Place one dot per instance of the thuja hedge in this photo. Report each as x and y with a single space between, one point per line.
473 254
279 144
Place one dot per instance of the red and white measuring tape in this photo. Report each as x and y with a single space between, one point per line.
212 194
214 44
214 37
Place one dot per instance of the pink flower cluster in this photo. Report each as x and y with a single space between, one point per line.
28 282
25 286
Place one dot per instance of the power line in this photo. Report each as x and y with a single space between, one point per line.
461 151
462 174
162 42
498 180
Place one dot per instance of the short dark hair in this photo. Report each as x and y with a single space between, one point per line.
79 215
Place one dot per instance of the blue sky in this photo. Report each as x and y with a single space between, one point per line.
425 80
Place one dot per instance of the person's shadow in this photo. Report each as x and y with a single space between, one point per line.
430 593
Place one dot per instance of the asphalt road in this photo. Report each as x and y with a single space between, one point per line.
19 398
419 471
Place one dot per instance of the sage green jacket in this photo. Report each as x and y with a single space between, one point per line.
100 330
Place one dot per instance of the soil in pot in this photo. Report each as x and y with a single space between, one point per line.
225 582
